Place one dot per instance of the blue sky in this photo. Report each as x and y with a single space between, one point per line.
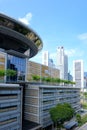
58 23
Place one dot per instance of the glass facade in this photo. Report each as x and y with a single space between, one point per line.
19 65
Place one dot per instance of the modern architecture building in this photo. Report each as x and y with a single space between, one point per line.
10 107
70 77
45 58
24 105
18 43
41 70
51 63
85 81
78 73
62 63
40 98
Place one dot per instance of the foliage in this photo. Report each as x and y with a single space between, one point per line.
43 79
81 120
2 73
48 79
52 80
84 105
84 119
10 72
78 118
7 72
36 77
85 94
61 113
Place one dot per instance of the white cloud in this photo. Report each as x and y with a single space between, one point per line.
70 52
82 36
26 19
74 52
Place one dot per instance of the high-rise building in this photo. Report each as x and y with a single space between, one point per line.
85 81
70 77
62 63
45 58
78 73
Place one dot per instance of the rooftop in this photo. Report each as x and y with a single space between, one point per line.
16 36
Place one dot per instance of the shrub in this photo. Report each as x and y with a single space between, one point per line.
78 118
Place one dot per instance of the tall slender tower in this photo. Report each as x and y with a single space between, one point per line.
62 63
45 58
78 73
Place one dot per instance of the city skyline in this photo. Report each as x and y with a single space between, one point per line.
60 23
26 98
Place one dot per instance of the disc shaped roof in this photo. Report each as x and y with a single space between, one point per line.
18 37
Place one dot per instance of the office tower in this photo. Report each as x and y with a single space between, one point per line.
78 73
62 63
85 81
70 77
45 58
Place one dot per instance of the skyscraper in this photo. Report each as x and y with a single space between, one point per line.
45 58
62 63
78 73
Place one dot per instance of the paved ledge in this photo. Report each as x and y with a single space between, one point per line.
84 127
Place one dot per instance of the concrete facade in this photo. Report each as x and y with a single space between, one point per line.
40 98
18 43
34 68
10 107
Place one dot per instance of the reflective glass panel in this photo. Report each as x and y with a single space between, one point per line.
19 65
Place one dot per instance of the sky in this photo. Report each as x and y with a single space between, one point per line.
57 22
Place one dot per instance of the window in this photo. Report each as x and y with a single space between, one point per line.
19 65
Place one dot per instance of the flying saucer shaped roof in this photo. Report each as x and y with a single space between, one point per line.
18 37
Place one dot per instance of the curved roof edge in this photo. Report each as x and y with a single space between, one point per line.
14 21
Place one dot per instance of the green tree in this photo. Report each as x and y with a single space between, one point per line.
61 113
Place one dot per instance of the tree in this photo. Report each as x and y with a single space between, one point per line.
61 113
